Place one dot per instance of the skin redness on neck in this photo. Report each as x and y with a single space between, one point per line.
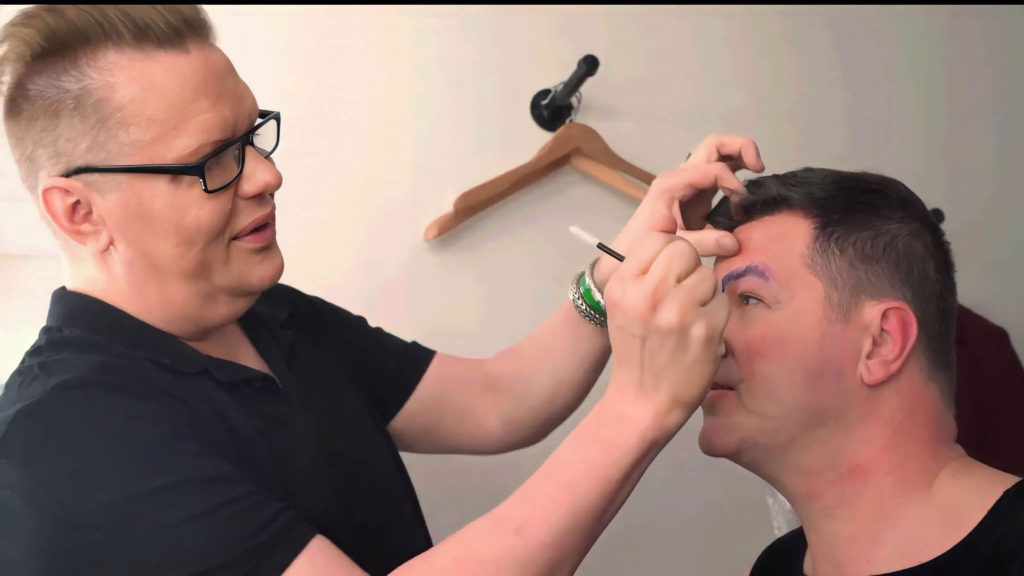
755 270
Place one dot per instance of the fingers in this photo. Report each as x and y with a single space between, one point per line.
735 164
691 198
660 262
717 313
676 261
696 304
681 185
718 307
689 191
643 254
665 325
697 289
698 298
738 151
710 242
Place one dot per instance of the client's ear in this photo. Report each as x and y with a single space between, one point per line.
890 336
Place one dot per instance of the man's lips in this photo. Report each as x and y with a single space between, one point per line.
718 386
256 223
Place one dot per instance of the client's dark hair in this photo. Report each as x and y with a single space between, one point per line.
873 238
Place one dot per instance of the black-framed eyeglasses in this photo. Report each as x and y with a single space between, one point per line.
218 170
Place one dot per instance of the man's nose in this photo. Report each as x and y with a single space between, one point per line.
259 176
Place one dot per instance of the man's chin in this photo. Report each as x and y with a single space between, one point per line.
713 449
265 274
714 440
274 273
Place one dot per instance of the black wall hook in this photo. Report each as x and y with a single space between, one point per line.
550 110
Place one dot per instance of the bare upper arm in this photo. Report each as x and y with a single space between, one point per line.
322 558
452 410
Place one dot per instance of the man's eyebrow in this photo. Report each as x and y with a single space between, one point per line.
756 270
200 151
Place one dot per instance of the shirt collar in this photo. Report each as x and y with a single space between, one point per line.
88 314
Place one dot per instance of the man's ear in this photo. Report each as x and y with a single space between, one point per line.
71 207
889 338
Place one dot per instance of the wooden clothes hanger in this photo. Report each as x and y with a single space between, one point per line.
575 144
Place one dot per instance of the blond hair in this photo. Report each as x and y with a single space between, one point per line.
50 73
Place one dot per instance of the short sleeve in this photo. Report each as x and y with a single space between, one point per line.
384 366
102 483
783 557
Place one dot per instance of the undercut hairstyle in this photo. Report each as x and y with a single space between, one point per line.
873 239
55 109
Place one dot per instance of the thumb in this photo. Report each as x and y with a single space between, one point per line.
711 242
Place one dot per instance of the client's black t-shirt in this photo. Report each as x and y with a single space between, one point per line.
995 547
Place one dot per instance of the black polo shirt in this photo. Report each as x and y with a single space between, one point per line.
125 451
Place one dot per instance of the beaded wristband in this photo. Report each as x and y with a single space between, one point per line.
580 302
588 290
593 286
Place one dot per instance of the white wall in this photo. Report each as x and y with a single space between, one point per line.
390 112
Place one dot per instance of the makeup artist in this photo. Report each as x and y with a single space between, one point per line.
182 412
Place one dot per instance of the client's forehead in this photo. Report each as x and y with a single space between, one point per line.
772 245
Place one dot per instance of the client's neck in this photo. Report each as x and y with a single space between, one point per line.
871 486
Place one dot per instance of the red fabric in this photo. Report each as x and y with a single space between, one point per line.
989 393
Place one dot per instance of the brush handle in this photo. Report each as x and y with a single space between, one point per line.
609 251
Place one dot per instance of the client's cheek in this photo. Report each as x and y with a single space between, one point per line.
761 349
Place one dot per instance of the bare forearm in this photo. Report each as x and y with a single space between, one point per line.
542 379
549 524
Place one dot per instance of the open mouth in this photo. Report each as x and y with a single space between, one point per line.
258 229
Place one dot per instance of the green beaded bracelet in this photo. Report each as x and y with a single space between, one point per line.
580 303
588 294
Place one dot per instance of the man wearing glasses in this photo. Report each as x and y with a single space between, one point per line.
220 168
184 413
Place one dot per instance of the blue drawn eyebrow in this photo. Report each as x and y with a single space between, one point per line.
755 270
